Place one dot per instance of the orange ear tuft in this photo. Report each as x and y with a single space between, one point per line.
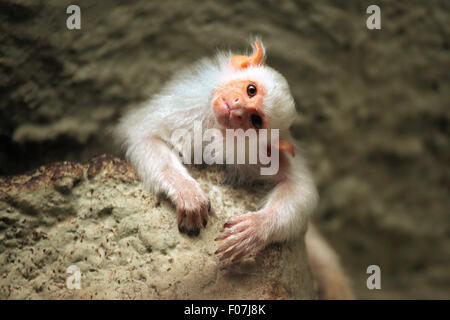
286 146
256 59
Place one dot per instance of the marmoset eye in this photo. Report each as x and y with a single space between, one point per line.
251 90
256 121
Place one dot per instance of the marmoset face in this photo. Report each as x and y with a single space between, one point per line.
238 104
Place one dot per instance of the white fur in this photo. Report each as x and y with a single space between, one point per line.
145 135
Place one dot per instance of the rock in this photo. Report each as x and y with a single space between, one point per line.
125 241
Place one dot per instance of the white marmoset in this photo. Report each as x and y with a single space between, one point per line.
230 92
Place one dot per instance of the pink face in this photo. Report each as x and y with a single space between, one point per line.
238 105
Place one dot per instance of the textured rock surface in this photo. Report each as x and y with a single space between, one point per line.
125 240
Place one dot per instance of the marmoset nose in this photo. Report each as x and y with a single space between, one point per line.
234 102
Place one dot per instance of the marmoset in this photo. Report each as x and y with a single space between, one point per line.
229 92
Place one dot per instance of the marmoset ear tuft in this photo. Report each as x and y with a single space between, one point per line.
286 146
256 59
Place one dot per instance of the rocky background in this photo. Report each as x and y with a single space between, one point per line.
373 106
